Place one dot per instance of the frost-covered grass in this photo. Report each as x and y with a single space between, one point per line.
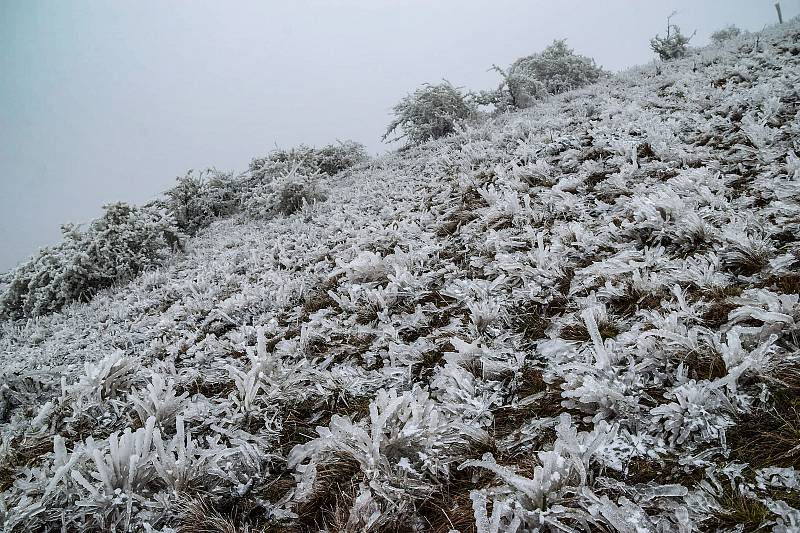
578 317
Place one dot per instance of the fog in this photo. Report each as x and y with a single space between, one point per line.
107 101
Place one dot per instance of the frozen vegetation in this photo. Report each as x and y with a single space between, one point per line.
581 316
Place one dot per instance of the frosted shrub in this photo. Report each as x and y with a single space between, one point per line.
674 45
127 240
699 412
335 158
307 161
48 281
249 385
555 70
284 195
115 476
123 242
293 194
725 34
198 199
123 466
181 461
269 379
280 162
430 112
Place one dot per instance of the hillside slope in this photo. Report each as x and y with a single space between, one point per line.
582 316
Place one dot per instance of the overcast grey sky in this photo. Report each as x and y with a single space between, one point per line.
103 101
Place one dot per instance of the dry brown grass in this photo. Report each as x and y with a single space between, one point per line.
633 300
705 364
303 417
23 451
430 360
530 320
738 511
717 304
450 507
200 516
366 315
319 299
531 381
343 346
717 314
645 151
208 388
577 331
595 153
596 177
335 489
746 259
770 435
509 418
784 284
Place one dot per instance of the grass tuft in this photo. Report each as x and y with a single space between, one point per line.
334 493
706 364
738 511
633 300
770 435
578 331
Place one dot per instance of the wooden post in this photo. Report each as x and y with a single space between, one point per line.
778 9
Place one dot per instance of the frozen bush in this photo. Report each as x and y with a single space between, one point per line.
335 158
430 112
127 240
307 161
727 33
198 199
280 162
284 195
555 70
294 194
47 281
123 242
674 45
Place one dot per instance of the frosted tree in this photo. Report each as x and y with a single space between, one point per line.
430 112
674 45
